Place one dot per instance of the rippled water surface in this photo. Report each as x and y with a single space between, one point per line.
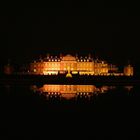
71 110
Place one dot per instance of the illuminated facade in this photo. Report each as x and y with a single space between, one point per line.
74 65
63 64
128 70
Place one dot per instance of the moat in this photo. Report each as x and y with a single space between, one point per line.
41 109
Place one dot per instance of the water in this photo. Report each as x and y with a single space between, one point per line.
81 111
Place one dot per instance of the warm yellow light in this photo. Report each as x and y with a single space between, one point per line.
50 72
74 72
75 65
69 75
69 91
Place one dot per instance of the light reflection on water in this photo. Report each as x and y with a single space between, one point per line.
128 88
73 91
102 104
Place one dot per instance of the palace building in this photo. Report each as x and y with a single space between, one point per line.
51 65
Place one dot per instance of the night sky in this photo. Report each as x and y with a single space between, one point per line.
111 33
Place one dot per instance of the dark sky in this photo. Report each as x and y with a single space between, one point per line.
112 33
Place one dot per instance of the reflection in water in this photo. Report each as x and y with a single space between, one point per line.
7 87
70 91
128 88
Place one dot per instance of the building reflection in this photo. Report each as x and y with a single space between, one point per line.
128 88
70 91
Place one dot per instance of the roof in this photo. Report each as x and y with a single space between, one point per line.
68 58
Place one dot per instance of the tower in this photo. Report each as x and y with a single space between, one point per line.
8 69
128 70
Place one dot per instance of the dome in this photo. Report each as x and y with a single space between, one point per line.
68 58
